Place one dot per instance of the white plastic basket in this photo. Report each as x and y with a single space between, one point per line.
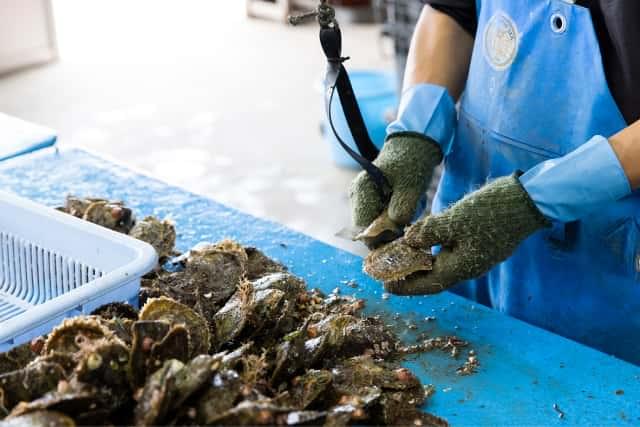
54 266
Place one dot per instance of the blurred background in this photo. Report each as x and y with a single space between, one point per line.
221 97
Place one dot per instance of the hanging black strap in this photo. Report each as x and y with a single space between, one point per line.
337 79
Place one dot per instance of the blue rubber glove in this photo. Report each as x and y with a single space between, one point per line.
577 184
429 110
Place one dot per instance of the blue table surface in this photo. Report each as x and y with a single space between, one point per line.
524 370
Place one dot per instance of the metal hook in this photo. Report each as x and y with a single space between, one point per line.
298 19
324 13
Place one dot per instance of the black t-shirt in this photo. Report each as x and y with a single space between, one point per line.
617 25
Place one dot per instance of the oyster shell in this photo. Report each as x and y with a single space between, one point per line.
382 230
295 418
383 392
76 333
39 419
67 361
159 234
120 310
113 215
365 383
77 206
290 356
193 376
278 313
396 261
110 214
174 345
211 275
230 360
176 313
218 269
291 285
349 336
229 321
306 389
265 304
258 264
220 397
29 383
17 358
171 386
252 413
154 343
87 405
396 408
121 327
158 392
355 373
340 415
145 334
298 350
104 363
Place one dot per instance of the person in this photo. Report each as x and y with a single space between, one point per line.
535 213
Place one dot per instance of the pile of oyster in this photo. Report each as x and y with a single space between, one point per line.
225 336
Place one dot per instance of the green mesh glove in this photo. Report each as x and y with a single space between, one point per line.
407 160
478 232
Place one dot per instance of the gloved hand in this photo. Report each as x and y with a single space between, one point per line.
414 147
407 160
476 233
486 226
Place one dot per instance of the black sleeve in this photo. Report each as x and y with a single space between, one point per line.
618 32
463 11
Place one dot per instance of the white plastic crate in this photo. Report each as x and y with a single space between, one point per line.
54 266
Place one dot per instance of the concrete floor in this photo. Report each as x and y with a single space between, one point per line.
200 96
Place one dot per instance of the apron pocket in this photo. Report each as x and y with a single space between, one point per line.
477 156
509 154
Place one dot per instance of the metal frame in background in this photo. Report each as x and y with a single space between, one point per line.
277 10
400 18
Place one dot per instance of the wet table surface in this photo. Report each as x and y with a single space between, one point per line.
524 371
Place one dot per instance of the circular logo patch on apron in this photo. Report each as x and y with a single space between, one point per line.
500 41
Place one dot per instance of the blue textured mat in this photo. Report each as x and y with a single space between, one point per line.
524 371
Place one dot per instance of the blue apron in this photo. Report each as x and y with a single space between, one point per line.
537 90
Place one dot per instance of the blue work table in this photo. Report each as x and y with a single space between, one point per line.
524 371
